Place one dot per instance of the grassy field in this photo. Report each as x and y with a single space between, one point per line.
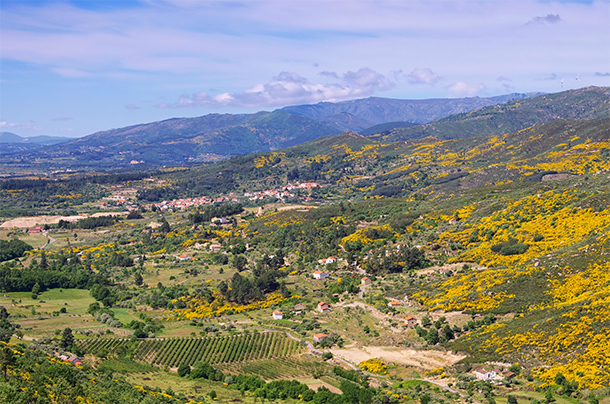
36 240
40 317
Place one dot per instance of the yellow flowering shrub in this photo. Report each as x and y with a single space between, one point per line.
374 365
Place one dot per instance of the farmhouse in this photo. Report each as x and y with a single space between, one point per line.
366 281
483 374
394 303
36 229
321 274
323 307
410 321
299 308
326 261
277 315
318 337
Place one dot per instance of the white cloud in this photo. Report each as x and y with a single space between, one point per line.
131 106
289 88
423 76
26 125
462 89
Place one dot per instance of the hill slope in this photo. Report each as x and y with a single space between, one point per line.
374 110
179 140
584 103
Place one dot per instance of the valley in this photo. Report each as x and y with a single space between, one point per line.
391 268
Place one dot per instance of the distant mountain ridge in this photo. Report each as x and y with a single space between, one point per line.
374 110
13 143
215 137
583 103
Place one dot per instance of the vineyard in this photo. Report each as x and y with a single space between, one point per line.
279 368
214 350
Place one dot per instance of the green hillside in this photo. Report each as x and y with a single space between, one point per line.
584 103
346 269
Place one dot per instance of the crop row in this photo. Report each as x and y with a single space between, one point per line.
215 350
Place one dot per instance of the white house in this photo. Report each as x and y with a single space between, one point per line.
319 337
277 315
483 374
326 261
324 307
321 274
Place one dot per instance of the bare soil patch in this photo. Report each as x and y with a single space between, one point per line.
409 357
32 221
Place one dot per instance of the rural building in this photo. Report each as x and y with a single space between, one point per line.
318 337
410 321
36 229
366 281
220 220
323 307
299 308
277 315
394 303
326 261
215 247
483 374
446 272
321 274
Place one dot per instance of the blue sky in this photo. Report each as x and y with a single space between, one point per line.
72 68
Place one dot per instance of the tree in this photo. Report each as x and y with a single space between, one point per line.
425 399
548 397
184 370
512 399
6 328
35 290
432 337
212 394
67 338
7 359
165 228
239 262
138 279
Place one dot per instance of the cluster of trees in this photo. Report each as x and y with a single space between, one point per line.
353 392
396 260
510 247
63 271
264 280
439 332
7 329
88 222
216 211
13 249
35 197
53 381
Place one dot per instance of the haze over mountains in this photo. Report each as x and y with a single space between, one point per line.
215 137
13 143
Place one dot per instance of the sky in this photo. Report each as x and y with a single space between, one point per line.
72 68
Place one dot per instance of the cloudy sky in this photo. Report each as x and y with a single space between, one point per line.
71 68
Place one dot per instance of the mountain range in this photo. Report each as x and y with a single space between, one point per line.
215 137
13 143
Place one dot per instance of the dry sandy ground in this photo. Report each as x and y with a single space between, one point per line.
409 357
33 221
315 386
454 267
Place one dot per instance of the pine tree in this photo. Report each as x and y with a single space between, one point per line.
67 338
